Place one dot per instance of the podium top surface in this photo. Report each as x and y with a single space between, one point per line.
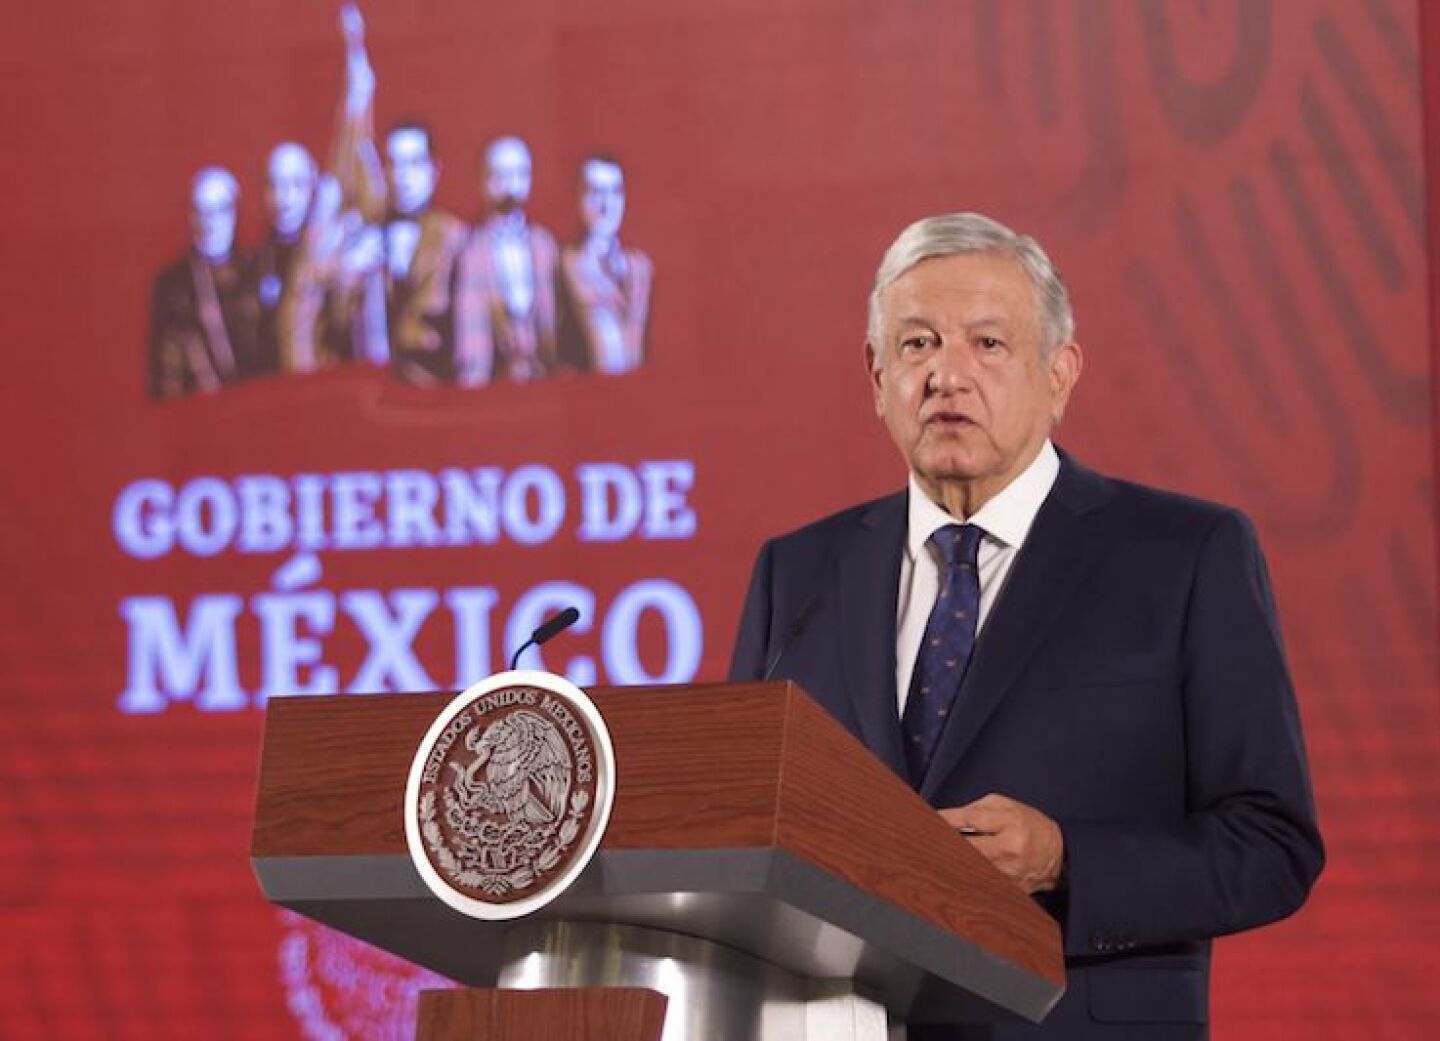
734 802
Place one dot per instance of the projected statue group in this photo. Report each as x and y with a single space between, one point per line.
359 266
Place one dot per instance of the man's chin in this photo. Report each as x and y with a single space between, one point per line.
937 476
952 463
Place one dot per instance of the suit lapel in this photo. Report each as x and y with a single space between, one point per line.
869 577
1056 554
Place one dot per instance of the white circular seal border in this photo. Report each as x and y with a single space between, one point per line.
600 820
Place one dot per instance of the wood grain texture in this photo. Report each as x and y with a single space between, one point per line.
702 767
696 768
843 810
333 771
588 1014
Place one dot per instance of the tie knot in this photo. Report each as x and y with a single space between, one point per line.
958 543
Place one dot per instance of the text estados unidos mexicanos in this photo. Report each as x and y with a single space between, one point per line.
193 653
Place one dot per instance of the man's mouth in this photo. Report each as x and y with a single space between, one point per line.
949 419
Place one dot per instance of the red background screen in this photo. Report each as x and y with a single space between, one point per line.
1235 193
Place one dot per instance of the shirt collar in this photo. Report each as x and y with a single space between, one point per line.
511 223
1006 518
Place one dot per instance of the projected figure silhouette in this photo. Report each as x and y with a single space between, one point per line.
203 314
506 306
605 288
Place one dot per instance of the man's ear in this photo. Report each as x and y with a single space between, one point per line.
1065 365
872 372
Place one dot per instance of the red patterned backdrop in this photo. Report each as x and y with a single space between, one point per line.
1235 192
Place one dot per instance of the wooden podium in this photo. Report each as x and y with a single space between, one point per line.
746 821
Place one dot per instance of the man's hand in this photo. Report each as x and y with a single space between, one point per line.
359 76
1018 839
352 26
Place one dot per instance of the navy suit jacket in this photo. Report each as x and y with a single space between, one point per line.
1129 682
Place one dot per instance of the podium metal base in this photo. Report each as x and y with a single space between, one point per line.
715 993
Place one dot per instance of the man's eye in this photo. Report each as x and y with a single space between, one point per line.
990 343
915 343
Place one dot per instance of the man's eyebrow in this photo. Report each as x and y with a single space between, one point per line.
983 322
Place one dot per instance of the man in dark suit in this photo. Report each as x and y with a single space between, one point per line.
505 295
604 286
290 179
1082 675
203 316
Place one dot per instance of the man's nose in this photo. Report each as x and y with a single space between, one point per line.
952 367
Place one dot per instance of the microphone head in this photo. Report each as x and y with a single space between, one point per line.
557 625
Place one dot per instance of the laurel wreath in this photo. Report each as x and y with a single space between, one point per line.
497 883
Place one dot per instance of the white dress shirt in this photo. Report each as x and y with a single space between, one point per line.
402 238
513 268
1006 519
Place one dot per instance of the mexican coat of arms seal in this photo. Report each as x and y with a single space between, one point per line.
509 794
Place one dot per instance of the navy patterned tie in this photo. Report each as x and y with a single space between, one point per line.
945 649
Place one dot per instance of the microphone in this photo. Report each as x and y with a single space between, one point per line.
798 626
547 631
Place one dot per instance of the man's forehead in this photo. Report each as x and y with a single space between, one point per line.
509 152
926 319
964 268
965 288
408 143
601 175
213 193
290 160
